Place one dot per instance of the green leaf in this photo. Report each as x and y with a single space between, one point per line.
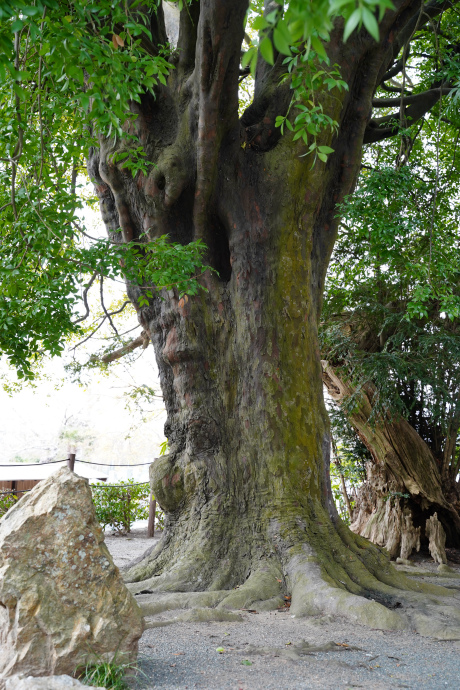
246 662
282 39
351 24
370 23
318 46
325 149
17 25
266 50
29 11
248 56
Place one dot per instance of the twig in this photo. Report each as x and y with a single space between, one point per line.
101 285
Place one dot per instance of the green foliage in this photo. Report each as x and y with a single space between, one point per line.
7 501
348 448
306 81
118 506
311 23
164 448
300 34
68 46
393 295
106 674
392 303
57 98
405 252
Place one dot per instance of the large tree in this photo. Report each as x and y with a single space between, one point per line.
245 486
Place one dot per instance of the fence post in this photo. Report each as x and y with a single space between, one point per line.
152 511
71 462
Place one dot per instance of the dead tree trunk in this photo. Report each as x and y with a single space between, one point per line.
404 485
245 487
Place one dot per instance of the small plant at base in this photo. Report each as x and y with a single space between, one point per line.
106 674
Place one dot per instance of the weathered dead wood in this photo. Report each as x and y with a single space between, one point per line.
437 544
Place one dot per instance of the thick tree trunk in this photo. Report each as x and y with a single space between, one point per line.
404 486
245 487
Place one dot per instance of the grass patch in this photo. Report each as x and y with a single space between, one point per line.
106 674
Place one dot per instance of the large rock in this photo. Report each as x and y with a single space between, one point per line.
49 683
62 600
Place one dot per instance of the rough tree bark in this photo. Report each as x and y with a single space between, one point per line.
402 464
245 486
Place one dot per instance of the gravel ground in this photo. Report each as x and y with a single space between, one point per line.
271 651
126 549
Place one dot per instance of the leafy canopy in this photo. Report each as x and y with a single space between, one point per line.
56 98
69 72
391 319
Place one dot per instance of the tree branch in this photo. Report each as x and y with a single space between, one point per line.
103 319
101 285
403 32
417 108
393 72
142 340
417 98
220 35
85 298
188 31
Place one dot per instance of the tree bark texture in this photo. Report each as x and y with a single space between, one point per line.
245 487
404 485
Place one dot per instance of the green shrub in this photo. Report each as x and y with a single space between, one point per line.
118 506
7 500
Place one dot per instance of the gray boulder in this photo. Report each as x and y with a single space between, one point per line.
62 600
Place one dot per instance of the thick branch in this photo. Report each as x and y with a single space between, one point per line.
376 131
220 35
188 31
393 72
417 99
141 341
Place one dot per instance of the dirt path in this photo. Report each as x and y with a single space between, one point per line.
276 651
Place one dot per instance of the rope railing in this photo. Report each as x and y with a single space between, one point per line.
85 462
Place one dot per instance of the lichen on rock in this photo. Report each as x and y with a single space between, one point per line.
62 600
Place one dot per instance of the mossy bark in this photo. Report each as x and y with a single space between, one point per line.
245 487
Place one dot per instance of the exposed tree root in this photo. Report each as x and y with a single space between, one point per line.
324 567
296 651
199 615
